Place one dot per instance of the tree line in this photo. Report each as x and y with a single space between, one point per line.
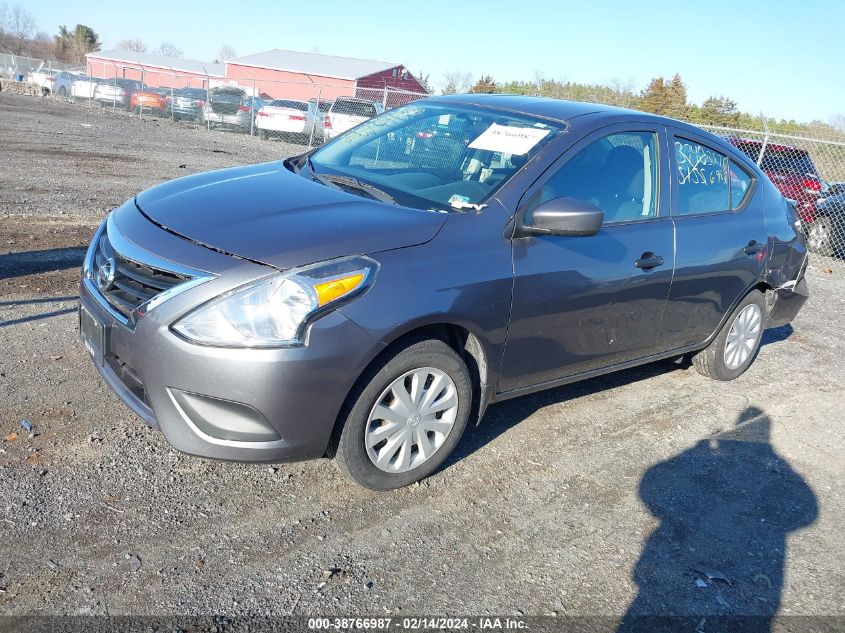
663 96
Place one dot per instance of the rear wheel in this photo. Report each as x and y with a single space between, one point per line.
736 346
819 239
405 417
62 91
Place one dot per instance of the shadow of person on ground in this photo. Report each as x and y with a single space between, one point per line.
725 508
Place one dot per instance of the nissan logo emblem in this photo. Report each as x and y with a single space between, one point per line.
105 274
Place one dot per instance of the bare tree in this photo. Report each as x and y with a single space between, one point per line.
132 44
168 49
4 17
457 81
21 26
225 53
838 121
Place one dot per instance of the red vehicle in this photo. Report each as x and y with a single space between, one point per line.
791 170
148 100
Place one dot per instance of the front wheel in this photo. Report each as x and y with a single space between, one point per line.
405 417
62 91
736 346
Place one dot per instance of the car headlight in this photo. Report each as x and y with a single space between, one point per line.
274 311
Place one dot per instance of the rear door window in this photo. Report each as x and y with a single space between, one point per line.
702 177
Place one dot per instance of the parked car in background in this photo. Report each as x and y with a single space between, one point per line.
186 103
285 118
57 83
83 87
147 100
228 106
826 235
319 110
358 303
791 170
347 112
116 92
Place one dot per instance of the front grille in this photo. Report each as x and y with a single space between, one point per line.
133 284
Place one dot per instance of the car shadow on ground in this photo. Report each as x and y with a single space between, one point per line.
725 507
32 262
501 416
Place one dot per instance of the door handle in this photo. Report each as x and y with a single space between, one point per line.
649 260
753 248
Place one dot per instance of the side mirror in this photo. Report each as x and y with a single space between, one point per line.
563 216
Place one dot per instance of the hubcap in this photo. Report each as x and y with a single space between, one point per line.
818 235
743 335
411 420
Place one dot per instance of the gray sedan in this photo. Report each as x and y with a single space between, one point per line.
369 299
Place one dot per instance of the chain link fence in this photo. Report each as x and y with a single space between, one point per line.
807 170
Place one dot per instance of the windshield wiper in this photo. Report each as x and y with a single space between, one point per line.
365 187
338 181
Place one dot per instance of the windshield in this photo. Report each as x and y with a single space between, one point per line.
428 155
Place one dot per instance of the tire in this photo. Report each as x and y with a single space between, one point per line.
723 361
62 91
819 237
432 359
262 134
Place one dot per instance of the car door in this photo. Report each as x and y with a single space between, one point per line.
583 303
720 234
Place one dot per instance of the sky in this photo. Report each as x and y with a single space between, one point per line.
782 58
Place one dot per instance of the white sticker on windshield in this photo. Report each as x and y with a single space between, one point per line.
509 140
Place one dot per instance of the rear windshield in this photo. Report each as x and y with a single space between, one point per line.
784 161
228 94
354 108
797 163
288 103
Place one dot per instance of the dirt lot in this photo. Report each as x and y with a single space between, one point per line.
638 490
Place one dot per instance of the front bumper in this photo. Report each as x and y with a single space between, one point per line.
260 405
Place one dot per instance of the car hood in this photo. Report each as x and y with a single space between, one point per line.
269 215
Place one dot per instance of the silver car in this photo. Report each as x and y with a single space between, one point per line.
227 105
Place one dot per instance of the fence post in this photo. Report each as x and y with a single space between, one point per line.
765 140
252 109
318 116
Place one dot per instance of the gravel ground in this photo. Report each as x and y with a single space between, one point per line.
653 490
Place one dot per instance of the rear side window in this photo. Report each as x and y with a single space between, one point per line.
702 175
740 183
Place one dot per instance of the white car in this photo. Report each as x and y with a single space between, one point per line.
83 87
347 112
285 117
56 82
